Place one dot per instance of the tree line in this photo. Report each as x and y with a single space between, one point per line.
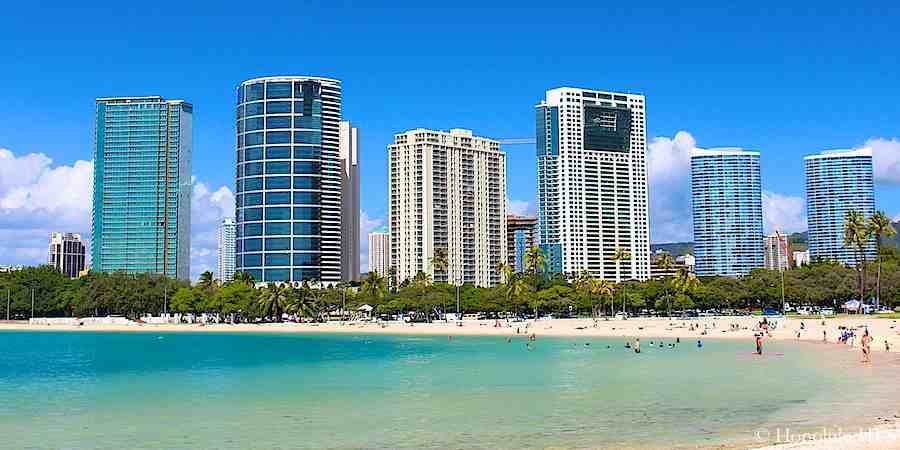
48 293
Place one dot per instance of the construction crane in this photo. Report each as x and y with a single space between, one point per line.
516 141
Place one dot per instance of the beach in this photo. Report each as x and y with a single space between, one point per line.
879 432
723 327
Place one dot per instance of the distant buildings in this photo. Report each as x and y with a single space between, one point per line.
289 179
142 186
592 183
520 236
837 181
726 197
225 236
349 149
67 253
8 269
379 251
777 256
686 261
801 258
447 190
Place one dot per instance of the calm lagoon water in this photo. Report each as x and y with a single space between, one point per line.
211 390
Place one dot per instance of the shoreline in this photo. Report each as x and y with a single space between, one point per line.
702 328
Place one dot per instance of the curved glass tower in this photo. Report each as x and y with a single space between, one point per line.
726 198
289 179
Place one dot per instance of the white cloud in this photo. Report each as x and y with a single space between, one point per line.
521 207
669 170
783 213
366 225
886 155
37 199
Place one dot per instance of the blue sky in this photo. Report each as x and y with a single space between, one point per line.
784 79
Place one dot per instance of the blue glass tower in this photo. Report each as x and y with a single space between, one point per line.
726 198
142 186
837 181
289 179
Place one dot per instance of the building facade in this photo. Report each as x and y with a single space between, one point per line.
67 253
520 236
726 196
837 182
349 148
777 256
448 190
379 252
592 183
225 235
141 220
288 184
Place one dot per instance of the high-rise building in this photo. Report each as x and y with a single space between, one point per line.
837 181
225 236
142 186
726 195
289 179
520 236
349 146
379 251
777 256
67 253
592 183
448 190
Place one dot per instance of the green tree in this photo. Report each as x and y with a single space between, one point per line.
620 255
881 227
374 287
274 300
857 236
440 261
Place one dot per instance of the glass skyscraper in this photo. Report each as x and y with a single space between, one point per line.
142 186
837 181
289 179
726 195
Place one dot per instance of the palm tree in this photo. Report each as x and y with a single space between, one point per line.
666 262
857 236
685 280
274 300
620 255
440 261
206 281
374 286
585 283
503 269
515 289
535 260
244 277
392 278
880 226
603 288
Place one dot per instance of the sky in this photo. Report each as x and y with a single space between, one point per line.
785 78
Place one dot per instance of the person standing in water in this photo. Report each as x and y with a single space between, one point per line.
637 345
759 343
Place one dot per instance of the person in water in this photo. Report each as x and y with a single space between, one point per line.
637 345
699 344
759 344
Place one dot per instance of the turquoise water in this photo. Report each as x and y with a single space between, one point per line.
209 390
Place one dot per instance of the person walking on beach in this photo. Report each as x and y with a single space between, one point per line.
866 350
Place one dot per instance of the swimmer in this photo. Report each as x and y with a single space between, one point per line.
508 340
699 344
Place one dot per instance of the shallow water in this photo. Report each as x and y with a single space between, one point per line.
211 390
